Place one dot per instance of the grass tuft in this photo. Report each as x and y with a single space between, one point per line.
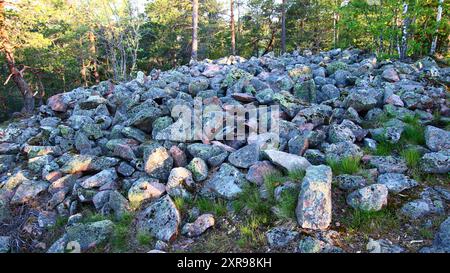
143 238
285 208
372 221
218 207
412 158
348 165
413 132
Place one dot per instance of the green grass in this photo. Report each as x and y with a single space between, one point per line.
120 238
412 158
426 233
348 165
413 132
182 204
296 175
285 208
250 199
371 222
90 217
250 234
143 238
218 206
384 148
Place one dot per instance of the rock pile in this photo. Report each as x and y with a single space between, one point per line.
124 147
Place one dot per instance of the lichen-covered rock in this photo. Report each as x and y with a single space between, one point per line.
441 242
27 191
437 139
280 236
245 157
199 169
226 183
100 179
370 198
199 226
145 189
157 162
436 162
287 162
396 182
85 163
383 246
314 201
161 219
388 164
179 183
350 182
89 235
259 170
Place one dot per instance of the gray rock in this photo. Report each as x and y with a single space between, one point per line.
287 162
340 150
370 198
436 162
298 145
125 169
245 156
350 182
204 151
179 183
437 139
388 164
5 244
27 191
145 189
161 219
226 183
315 157
314 201
89 235
199 226
328 92
281 236
383 246
390 75
259 170
157 162
100 179
396 182
312 245
85 163
199 169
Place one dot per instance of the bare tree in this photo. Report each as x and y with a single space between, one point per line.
438 22
194 51
283 26
233 32
16 74
403 48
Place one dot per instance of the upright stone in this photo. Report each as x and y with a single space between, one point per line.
314 201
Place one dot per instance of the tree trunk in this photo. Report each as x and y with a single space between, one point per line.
15 74
233 32
283 26
93 53
405 26
194 51
438 22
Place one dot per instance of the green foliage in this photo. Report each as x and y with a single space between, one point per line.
285 208
250 199
384 148
143 238
414 132
250 234
370 222
412 158
218 206
348 165
122 229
